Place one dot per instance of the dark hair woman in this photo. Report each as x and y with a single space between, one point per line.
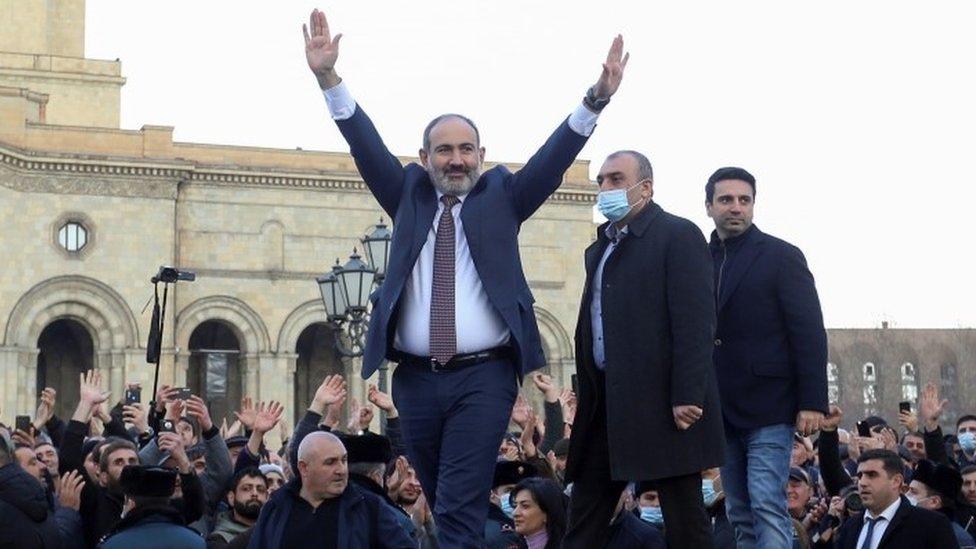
540 513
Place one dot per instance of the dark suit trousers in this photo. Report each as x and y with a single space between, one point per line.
453 424
595 495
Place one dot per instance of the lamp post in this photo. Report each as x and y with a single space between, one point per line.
346 289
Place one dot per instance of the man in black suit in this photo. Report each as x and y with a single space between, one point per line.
770 359
648 401
889 520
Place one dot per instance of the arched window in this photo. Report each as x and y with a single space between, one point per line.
909 384
870 389
833 383
949 380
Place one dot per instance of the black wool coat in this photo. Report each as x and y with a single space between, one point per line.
658 313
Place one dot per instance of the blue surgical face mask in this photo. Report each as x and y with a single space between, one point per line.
614 204
708 492
506 505
652 515
967 441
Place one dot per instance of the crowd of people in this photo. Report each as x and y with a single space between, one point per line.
700 418
127 475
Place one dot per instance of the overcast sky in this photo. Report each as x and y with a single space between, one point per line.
857 118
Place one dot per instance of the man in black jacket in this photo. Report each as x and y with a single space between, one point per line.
889 520
648 399
26 520
150 522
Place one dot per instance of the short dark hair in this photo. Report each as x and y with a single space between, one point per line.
890 461
967 417
550 499
644 168
247 472
111 447
441 118
726 174
968 469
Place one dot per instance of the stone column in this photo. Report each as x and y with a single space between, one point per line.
288 365
251 366
27 381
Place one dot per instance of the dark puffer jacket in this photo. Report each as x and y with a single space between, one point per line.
26 519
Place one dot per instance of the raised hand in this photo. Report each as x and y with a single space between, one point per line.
908 420
164 396
382 401
808 422
90 388
69 488
173 443
545 384
567 399
520 411
321 49
930 407
529 449
45 408
332 389
248 413
135 414
613 70
196 407
396 479
333 413
22 438
268 416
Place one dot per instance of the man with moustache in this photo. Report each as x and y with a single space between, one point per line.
770 355
248 493
454 311
648 408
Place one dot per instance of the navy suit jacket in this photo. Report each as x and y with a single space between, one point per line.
492 214
911 528
770 343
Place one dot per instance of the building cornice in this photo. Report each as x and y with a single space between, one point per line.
124 176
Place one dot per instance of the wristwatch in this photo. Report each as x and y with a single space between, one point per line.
593 102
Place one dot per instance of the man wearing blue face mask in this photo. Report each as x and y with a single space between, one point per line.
500 528
648 407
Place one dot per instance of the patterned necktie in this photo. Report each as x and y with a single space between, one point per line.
870 533
443 332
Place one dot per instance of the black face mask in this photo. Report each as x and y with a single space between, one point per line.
248 509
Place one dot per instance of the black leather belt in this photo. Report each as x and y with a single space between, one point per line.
457 362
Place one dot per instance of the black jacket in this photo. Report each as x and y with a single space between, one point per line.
770 343
658 323
26 519
152 528
629 532
910 528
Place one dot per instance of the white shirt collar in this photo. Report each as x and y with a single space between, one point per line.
888 513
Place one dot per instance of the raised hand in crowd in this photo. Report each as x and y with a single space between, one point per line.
332 389
22 438
567 400
520 411
382 401
529 449
45 408
395 480
247 414
137 415
90 395
333 414
361 418
68 489
173 443
889 441
266 417
544 384
164 396
930 407
909 420
812 519
197 408
321 49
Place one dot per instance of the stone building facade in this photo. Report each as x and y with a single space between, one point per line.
91 211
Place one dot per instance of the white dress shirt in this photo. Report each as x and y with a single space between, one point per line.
879 527
479 325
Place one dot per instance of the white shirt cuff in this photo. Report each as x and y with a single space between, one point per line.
340 102
582 121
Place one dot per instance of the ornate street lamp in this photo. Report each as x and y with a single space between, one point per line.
377 247
332 297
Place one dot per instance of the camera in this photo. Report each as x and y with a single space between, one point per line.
169 274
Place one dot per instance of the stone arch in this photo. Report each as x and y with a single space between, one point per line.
242 319
555 336
306 314
96 306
